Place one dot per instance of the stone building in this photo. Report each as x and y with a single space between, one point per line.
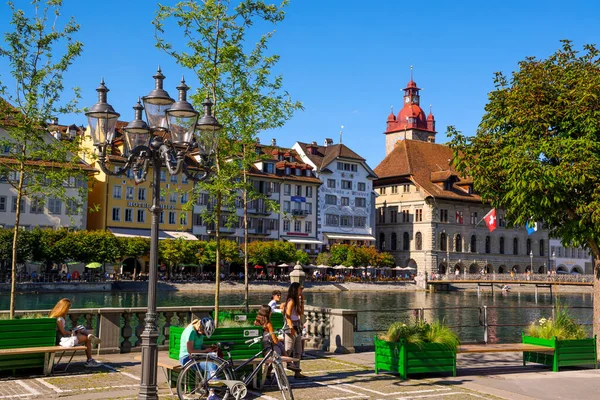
429 217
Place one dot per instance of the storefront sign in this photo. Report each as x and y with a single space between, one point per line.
298 199
146 205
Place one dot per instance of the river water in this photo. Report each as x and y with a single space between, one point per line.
458 309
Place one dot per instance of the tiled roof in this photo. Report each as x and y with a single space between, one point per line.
49 164
324 155
427 165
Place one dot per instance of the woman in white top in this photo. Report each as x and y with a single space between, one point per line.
59 312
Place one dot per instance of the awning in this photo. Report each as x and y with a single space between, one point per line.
349 236
145 233
302 240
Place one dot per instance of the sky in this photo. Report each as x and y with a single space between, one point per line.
347 61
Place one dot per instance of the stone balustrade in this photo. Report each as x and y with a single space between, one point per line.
120 328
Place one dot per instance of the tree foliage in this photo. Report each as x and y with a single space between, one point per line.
356 256
274 252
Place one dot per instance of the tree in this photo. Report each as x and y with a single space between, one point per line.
45 249
238 80
37 165
536 153
92 246
135 247
176 251
301 257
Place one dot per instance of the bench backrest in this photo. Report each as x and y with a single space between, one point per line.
22 333
239 350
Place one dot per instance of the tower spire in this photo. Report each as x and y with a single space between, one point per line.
411 72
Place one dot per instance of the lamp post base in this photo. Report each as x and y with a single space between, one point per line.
148 384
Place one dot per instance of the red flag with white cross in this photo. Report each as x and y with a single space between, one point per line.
490 220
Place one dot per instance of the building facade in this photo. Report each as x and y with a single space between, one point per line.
569 259
428 216
345 198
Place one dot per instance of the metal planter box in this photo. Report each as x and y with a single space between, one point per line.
567 353
405 359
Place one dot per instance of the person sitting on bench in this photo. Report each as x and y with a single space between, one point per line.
80 334
192 341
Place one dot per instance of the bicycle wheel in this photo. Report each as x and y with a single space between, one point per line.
282 381
194 383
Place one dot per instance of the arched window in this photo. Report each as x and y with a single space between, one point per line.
542 249
515 246
443 242
501 245
488 245
405 241
473 244
419 241
458 244
393 241
382 241
528 247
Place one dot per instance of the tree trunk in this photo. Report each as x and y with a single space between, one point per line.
596 303
245 200
13 273
217 258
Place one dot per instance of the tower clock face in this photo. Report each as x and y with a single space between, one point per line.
406 100
415 99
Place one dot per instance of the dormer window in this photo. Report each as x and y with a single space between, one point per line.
448 185
308 172
269 168
288 170
298 172
257 150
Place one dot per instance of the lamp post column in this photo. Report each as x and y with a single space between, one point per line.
148 384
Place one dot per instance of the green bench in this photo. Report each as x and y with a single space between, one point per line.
30 343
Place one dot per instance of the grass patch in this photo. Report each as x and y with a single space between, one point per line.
420 332
562 327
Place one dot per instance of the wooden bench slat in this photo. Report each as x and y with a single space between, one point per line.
501 348
44 349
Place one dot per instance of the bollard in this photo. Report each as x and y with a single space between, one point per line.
485 325
536 294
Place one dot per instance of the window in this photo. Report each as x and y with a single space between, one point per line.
129 193
184 198
382 190
297 226
173 198
298 190
474 218
309 191
54 206
419 241
459 217
360 202
172 217
183 218
174 178
394 241
381 212
458 244
443 215
345 220
393 214
488 245
331 183
361 187
287 189
443 242
163 176
308 227
406 188
141 216
286 206
405 216
269 168
501 246
128 215
141 193
473 244
394 191
405 241
501 221
184 178
37 206
528 247
13 207
116 192
360 222
286 225
330 200
71 207
161 217
2 203
309 208
419 215
381 241
345 201
332 220
515 246
542 249
116 214
346 184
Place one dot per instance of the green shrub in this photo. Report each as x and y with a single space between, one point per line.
24 316
562 327
229 323
420 332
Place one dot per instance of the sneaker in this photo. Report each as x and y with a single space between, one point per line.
94 339
91 363
293 368
298 375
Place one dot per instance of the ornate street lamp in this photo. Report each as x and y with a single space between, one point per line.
172 133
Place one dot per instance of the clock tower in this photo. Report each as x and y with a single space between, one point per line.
411 122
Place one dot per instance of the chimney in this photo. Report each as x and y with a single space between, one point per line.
55 121
273 142
328 142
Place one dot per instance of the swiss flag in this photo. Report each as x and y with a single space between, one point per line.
490 220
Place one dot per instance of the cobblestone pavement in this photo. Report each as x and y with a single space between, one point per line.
328 378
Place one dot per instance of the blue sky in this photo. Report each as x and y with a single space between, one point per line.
346 61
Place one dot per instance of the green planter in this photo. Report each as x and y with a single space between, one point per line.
405 359
567 353
21 333
276 318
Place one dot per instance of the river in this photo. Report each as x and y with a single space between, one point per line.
513 308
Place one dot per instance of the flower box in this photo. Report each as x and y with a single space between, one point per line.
567 353
405 359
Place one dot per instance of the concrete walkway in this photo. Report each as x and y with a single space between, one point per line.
342 377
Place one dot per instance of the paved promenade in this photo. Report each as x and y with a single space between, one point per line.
341 377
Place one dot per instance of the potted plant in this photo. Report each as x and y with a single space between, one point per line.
416 347
568 339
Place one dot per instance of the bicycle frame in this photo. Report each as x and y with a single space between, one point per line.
248 361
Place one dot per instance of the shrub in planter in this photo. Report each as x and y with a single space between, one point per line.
418 347
568 339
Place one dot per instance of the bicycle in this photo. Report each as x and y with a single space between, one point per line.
194 383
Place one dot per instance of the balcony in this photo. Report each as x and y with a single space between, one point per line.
300 213
259 231
259 210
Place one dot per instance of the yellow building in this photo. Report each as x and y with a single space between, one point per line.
120 205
